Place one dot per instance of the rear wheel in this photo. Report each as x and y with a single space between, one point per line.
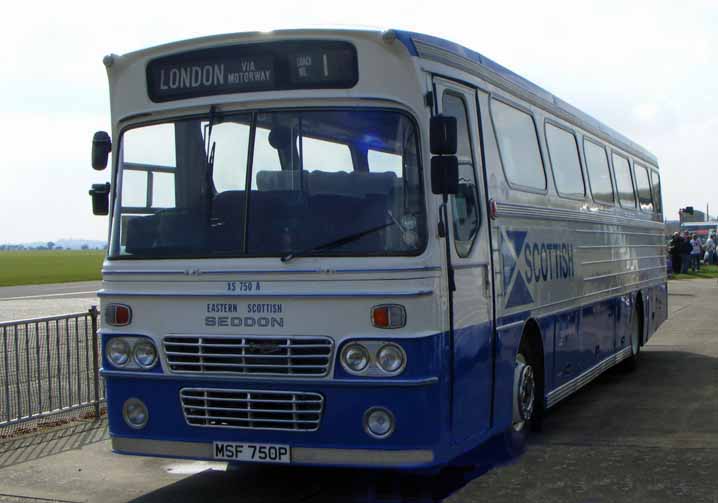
631 363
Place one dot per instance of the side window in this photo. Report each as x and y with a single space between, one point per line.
163 190
465 204
382 162
275 163
148 172
644 188
231 141
519 146
599 176
656 185
563 152
134 188
327 156
624 181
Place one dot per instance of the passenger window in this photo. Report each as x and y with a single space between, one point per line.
518 145
624 181
656 185
644 188
563 152
599 176
465 204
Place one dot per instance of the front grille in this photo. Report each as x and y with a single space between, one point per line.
258 410
292 356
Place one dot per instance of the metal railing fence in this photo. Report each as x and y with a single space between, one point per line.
49 366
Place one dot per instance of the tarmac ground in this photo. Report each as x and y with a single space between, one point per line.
34 301
647 436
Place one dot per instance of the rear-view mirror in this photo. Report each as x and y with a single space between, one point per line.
100 193
442 135
444 175
101 148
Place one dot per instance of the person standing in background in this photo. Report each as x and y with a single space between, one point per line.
710 250
674 249
696 253
686 249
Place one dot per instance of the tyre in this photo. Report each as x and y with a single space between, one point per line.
631 363
527 389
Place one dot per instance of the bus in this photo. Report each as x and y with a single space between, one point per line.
359 248
703 230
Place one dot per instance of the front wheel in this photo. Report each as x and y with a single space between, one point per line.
527 391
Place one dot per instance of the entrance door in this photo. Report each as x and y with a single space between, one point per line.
470 257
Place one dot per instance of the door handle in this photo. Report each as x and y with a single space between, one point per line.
487 284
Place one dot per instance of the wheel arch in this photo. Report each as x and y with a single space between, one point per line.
532 334
532 331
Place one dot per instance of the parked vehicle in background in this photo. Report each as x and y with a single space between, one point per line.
702 229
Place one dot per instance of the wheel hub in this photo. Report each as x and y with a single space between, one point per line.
524 393
527 386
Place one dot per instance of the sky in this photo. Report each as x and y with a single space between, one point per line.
649 69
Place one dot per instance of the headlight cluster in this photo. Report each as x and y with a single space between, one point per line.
131 352
373 358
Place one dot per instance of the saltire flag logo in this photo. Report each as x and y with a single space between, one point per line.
515 287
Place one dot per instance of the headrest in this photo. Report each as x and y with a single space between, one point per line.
280 137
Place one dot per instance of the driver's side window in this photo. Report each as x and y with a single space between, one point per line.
465 204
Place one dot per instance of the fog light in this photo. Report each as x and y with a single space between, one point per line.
378 422
118 352
355 357
135 413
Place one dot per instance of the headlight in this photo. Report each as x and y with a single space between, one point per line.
145 353
118 352
391 358
355 357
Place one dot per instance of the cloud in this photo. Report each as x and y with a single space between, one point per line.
646 68
645 112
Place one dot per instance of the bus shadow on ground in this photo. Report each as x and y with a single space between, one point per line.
590 417
663 398
255 483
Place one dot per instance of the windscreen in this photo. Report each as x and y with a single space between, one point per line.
280 183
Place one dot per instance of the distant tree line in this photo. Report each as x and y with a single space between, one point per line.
48 246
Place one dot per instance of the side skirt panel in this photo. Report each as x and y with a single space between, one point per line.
586 377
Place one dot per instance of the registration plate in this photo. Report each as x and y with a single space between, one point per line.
257 453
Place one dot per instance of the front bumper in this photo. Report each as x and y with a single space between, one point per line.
300 455
340 440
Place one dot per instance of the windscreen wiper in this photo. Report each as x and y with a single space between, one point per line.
209 160
337 242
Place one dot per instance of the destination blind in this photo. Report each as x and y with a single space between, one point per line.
252 68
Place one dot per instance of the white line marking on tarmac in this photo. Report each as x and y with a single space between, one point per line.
48 295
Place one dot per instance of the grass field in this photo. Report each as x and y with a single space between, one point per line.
34 267
707 271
